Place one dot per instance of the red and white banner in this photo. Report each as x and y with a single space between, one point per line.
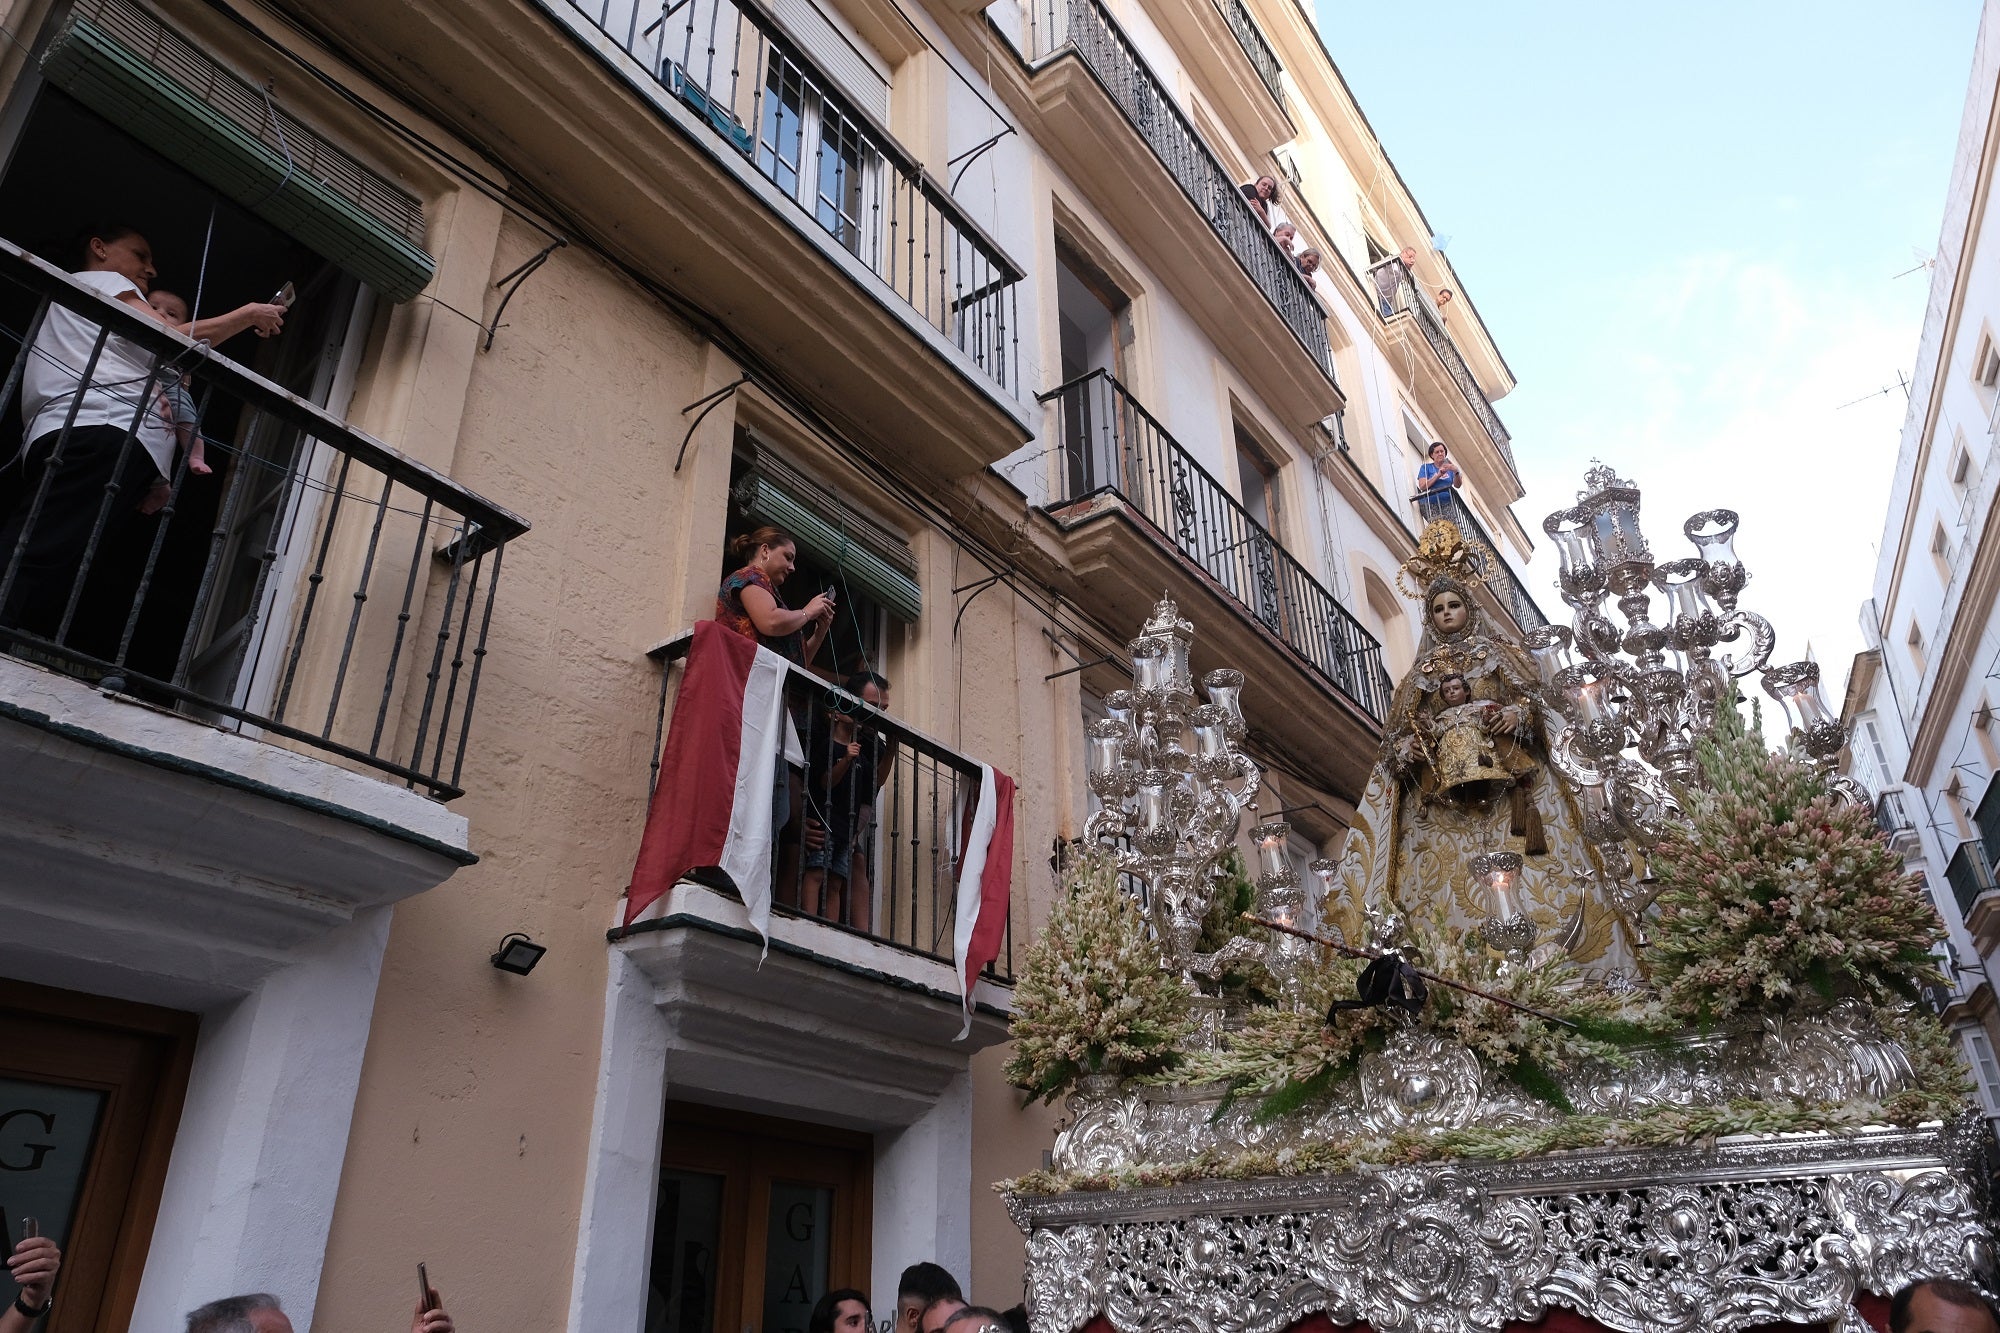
985 874
718 774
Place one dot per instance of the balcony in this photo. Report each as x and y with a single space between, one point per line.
1970 876
1503 582
1314 666
226 728
1137 200
1262 58
1399 296
1892 816
761 98
905 843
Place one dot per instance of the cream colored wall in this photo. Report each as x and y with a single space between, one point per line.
474 1114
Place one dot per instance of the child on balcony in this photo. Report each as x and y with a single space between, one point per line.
176 398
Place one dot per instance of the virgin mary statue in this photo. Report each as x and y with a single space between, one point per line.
1464 769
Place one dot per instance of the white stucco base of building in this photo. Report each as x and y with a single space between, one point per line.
832 1028
153 858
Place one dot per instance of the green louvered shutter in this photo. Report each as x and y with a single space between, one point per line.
873 561
157 86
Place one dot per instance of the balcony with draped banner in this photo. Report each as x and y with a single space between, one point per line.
1140 513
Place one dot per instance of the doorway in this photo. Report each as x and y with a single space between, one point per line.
756 1219
90 1099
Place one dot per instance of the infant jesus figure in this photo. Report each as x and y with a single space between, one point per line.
1461 744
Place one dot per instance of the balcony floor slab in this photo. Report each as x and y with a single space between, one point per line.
860 1030
154 857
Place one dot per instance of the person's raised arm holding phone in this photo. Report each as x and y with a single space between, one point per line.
430 1316
33 1264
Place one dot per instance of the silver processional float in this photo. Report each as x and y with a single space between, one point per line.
1518 1050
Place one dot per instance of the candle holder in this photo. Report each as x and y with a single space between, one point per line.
1506 928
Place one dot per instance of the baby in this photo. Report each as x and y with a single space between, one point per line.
176 402
1464 747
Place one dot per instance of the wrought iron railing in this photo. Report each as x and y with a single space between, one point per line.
765 100
313 588
1111 443
897 819
1500 575
1088 28
1970 874
1397 294
1262 57
1891 816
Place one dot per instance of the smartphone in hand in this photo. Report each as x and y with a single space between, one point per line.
30 1228
425 1300
286 296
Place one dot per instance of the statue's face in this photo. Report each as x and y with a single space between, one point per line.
1449 612
1453 691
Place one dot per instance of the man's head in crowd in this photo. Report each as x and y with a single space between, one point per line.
921 1283
977 1319
255 1313
1942 1305
939 1313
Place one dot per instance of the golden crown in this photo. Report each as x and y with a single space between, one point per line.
1444 552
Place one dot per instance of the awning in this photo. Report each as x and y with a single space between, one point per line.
833 533
157 86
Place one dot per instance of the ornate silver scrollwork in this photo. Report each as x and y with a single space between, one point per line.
1678 1240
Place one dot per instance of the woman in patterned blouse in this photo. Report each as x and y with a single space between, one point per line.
748 601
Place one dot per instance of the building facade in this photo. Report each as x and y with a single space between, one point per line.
969 299
1919 700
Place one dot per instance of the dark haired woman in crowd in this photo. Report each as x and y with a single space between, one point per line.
1260 194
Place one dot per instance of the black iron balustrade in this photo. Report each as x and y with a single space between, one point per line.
1501 578
766 101
1088 28
902 836
1891 816
1397 293
1262 57
1111 443
1970 874
316 588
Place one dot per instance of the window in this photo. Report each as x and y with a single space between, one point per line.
215 587
1941 551
1095 322
1980 1048
817 153
1954 802
1986 364
1982 730
1257 481
1871 763
755 1219
1964 473
1915 640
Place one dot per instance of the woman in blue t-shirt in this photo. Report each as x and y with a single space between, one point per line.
1436 480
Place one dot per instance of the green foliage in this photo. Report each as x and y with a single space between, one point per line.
1093 998
1777 893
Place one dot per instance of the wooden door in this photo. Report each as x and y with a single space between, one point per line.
756 1219
90 1098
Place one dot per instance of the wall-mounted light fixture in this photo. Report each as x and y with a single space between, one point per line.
518 954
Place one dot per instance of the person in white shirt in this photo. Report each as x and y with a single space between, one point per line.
97 449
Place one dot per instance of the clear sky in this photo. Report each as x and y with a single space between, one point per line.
1683 225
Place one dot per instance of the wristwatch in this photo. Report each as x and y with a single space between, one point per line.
30 1312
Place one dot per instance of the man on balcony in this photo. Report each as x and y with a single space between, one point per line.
98 449
1436 480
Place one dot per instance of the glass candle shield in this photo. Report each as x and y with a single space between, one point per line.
1500 872
1150 666
1105 752
1796 687
1273 841
1713 533
1211 734
1225 691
